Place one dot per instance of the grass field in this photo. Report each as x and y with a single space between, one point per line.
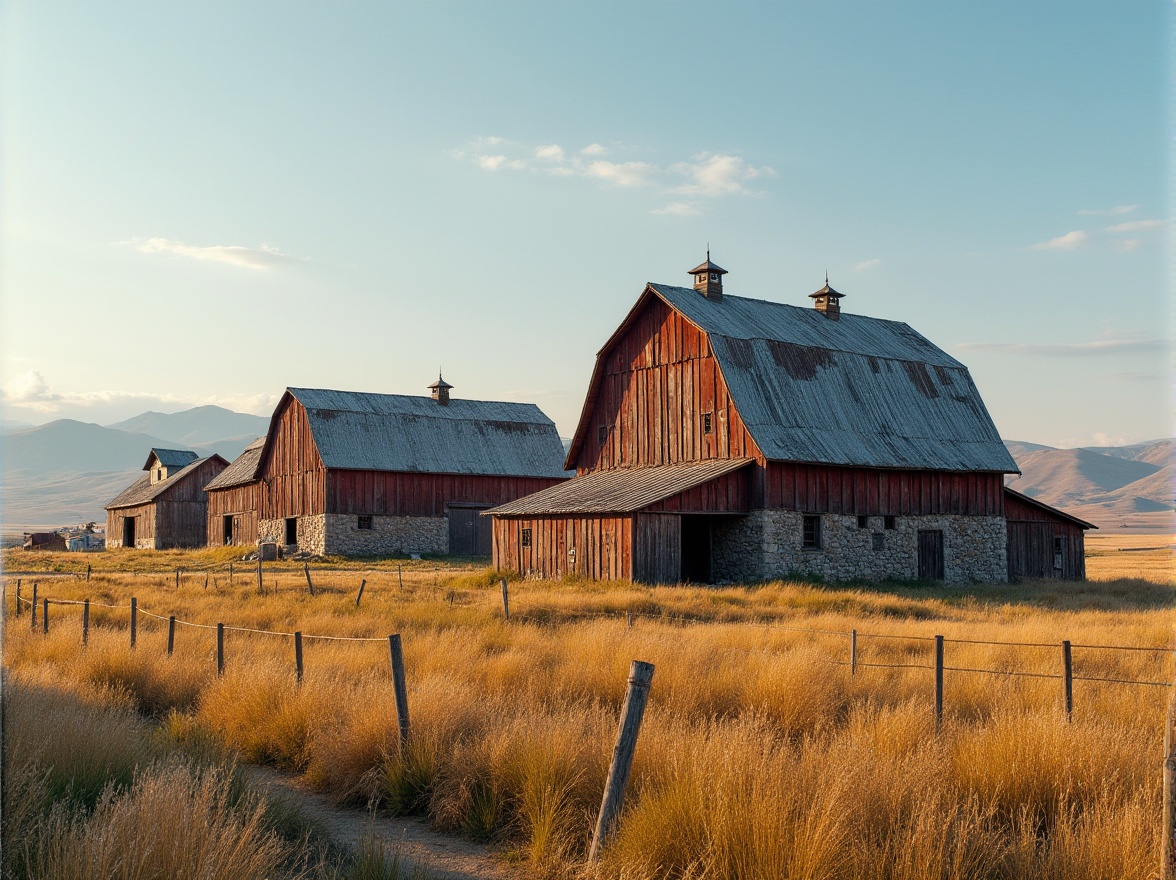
760 755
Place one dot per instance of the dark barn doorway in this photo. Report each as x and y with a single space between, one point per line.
291 530
469 533
930 555
227 532
128 531
696 549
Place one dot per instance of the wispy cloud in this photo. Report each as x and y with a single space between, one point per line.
1129 244
1135 226
1068 242
867 265
264 257
1111 345
707 176
1116 211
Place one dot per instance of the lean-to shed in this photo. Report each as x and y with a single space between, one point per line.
1043 542
167 506
234 498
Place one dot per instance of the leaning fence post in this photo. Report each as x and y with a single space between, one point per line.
640 676
298 655
171 634
1068 678
853 652
33 607
206 577
134 618
86 623
45 616
260 588
1168 849
399 686
220 649
18 597
359 595
400 577
938 682
309 583
505 600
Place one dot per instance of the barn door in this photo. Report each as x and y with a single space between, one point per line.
469 533
129 531
930 555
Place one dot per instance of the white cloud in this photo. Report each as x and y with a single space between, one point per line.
1129 244
867 265
679 209
1112 345
552 152
593 150
265 257
1118 210
491 163
714 174
1068 242
1135 226
622 173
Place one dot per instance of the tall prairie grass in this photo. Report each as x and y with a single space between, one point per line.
760 757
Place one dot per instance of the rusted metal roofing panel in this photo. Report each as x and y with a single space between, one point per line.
619 491
859 391
393 432
171 458
242 470
141 491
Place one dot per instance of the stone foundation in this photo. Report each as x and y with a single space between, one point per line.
339 534
768 544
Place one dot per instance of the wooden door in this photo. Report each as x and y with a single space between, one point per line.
931 555
469 533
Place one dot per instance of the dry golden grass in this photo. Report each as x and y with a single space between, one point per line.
761 757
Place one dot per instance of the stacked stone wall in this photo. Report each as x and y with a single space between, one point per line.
339 534
770 544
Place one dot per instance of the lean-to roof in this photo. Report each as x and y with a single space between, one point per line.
243 469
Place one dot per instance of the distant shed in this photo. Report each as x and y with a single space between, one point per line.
44 541
1043 542
234 498
167 506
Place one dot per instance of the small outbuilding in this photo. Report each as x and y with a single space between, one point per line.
50 541
1043 542
234 499
167 506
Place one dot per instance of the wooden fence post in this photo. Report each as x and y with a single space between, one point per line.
87 572
177 577
220 649
1168 847
134 618
18 597
33 607
399 685
230 574
505 600
629 617
309 583
206 577
171 634
260 588
362 584
640 676
853 652
85 623
1068 680
298 655
400 577
45 616
4 601
938 682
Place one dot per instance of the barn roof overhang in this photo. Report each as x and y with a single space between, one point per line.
1052 511
143 491
625 490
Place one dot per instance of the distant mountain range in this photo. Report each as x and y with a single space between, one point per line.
64 471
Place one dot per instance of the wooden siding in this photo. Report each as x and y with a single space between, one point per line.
292 471
410 494
868 492
655 383
657 548
240 502
726 494
603 544
164 524
1031 534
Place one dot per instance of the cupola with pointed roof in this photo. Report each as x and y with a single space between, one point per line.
440 390
827 301
708 278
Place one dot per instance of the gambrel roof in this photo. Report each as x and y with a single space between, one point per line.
143 490
393 432
858 392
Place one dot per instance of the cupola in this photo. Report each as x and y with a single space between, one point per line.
440 390
827 301
708 278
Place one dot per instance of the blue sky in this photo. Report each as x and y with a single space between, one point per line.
205 203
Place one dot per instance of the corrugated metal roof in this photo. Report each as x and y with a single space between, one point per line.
393 432
243 469
619 491
141 491
859 391
171 458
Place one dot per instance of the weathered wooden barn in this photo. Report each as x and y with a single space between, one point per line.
733 439
353 473
167 506
234 498
1043 542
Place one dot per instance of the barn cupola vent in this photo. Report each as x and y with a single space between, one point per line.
827 301
440 390
708 279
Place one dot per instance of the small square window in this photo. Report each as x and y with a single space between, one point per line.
812 533
863 522
601 434
363 522
889 522
707 423
879 541
525 538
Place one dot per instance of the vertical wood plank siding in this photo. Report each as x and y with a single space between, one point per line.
294 479
242 503
726 494
657 548
1031 533
410 494
603 545
658 380
178 518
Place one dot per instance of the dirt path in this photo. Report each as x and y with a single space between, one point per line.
443 856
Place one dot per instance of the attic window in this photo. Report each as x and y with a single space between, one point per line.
363 522
601 434
706 423
714 277
525 538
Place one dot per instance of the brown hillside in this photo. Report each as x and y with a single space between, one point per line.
1069 477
